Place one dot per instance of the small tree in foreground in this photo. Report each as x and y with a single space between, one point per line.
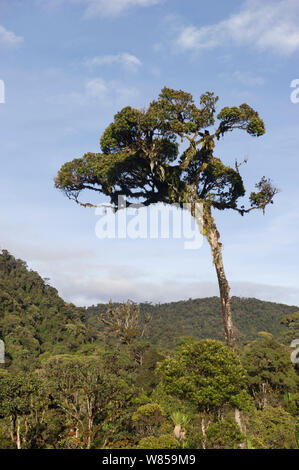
141 160
206 373
210 376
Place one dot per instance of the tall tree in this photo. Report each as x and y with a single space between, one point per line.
142 160
125 322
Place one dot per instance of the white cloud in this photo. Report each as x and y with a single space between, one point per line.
126 60
114 7
9 38
93 289
107 92
247 78
95 8
268 25
99 91
96 88
84 276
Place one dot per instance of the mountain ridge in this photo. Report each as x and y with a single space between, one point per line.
35 320
202 318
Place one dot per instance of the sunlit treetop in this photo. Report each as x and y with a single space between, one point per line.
141 156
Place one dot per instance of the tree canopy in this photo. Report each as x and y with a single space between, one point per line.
142 160
207 373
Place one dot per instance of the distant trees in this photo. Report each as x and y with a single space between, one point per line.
270 370
292 323
85 393
125 321
92 400
141 160
33 318
199 318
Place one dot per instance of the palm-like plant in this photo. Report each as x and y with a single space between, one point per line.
180 421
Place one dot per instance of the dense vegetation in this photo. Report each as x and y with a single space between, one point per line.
148 376
201 318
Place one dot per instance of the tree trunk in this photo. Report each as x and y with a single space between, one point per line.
241 423
177 431
264 400
204 427
89 422
208 227
89 433
12 428
18 434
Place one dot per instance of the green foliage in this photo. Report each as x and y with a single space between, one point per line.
145 375
33 318
265 194
272 428
224 434
67 383
242 117
148 419
291 403
23 403
289 319
163 442
141 156
206 373
15 392
171 403
292 324
269 367
85 393
199 318
124 321
180 418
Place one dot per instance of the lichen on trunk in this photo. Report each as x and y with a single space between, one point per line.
208 228
213 238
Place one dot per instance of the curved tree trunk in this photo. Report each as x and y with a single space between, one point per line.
207 226
213 236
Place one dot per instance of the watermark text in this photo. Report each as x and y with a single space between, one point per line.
151 222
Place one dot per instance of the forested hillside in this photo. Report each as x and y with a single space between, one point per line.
33 318
128 376
201 318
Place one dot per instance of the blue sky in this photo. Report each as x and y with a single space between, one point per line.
70 65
